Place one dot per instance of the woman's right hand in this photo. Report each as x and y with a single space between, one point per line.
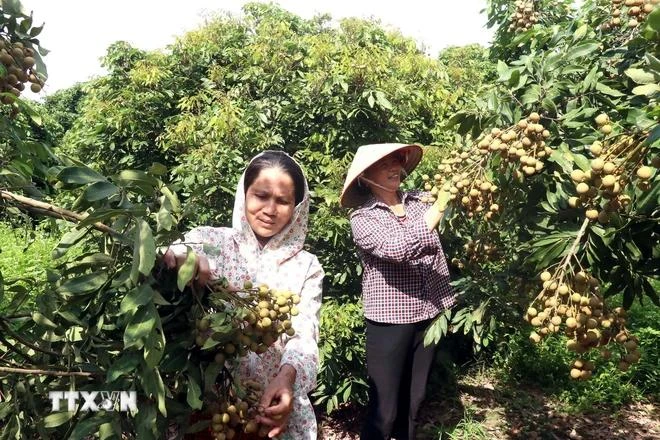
202 272
434 214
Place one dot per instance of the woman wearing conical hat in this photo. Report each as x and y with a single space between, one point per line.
405 282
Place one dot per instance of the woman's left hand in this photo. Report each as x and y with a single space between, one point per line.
277 401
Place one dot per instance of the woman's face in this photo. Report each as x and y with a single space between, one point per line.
386 172
269 202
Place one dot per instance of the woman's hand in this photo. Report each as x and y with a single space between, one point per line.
434 214
202 270
277 401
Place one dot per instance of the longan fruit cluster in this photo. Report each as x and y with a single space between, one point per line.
463 173
476 251
616 162
236 414
19 63
629 13
265 315
524 17
571 303
524 143
475 196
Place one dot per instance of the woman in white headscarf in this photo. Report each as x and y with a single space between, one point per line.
265 246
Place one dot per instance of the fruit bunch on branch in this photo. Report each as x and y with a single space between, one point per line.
570 302
231 325
617 162
629 13
524 17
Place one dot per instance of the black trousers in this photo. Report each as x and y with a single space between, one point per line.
398 367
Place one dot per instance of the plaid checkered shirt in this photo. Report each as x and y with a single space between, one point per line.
405 277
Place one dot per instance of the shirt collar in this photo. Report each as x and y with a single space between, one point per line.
372 202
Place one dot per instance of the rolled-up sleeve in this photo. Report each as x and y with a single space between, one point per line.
301 351
408 240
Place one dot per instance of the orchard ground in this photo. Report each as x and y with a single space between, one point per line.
479 406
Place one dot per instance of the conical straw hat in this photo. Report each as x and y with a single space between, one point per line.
367 155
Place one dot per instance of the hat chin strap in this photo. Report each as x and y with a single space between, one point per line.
371 182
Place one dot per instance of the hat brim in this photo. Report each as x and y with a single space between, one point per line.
351 196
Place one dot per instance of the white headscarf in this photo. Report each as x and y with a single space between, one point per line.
265 262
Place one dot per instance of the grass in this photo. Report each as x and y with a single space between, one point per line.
24 254
467 429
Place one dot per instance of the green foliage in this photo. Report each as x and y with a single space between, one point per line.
61 109
342 374
509 44
609 387
25 254
548 365
269 79
567 68
469 69
185 122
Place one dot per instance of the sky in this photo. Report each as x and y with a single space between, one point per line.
78 32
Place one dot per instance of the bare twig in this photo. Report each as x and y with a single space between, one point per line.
48 372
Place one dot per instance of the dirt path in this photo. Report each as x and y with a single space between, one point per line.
479 411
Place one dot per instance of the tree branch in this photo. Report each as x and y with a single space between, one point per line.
49 210
48 372
25 342
11 347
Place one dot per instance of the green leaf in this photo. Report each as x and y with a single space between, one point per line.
164 220
383 101
138 296
171 200
140 326
503 71
43 321
69 240
144 252
607 90
154 346
84 283
109 430
153 385
158 169
653 20
99 191
194 393
80 175
145 422
532 94
370 100
581 50
580 32
86 427
128 362
58 418
210 375
640 76
138 176
647 89
582 162
187 270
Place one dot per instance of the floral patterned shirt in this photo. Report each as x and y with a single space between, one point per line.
235 254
